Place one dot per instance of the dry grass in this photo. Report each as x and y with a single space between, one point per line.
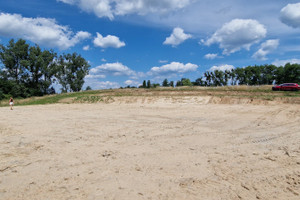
261 93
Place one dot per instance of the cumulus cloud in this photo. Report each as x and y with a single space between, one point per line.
112 69
290 15
132 83
42 31
279 63
211 56
266 48
221 68
101 8
95 76
108 41
173 68
98 85
112 8
177 37
86 48
238 34
107 85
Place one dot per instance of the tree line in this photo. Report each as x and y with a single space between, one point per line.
250 75
27 71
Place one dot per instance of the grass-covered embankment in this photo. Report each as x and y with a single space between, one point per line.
107 96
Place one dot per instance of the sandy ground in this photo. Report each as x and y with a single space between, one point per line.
188 149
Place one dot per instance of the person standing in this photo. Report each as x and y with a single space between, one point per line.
11 103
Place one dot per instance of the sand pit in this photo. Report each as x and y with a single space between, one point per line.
189 149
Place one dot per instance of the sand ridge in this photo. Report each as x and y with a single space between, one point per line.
187 148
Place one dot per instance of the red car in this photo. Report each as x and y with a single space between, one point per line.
287 87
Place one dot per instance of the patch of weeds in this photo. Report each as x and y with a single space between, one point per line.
88 99
109 99
268 98
291 94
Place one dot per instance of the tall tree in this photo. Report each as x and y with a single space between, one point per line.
41 66
71 70
14 57
144 84
186 82
179 83
233 77
208 77
279 75
268 74
291 73
171 83
199 82
148 84
165 83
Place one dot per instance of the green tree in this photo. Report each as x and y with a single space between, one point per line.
41 66
227 74
71 70
155 85
171 83
14 57
186 82
199 82
232 76
218 78
179 83
208 78
268 74
5 85
148 84
240 76
279 75
144 84
292 73
165 83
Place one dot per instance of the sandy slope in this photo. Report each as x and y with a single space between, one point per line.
190 149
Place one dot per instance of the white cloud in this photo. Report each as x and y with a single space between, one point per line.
132 83
173 68
103 60
238 34
107 84
279 63
101 8
97 85
177 37
211 56
112 69
95 76
266 48
112 8
290 15
162 61
42 31
108 41
86 48
221 68
68 1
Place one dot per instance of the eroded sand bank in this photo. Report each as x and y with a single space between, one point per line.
150 150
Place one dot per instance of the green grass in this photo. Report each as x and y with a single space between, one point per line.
106 96
52 99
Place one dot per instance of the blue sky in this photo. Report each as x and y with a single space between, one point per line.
128 41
